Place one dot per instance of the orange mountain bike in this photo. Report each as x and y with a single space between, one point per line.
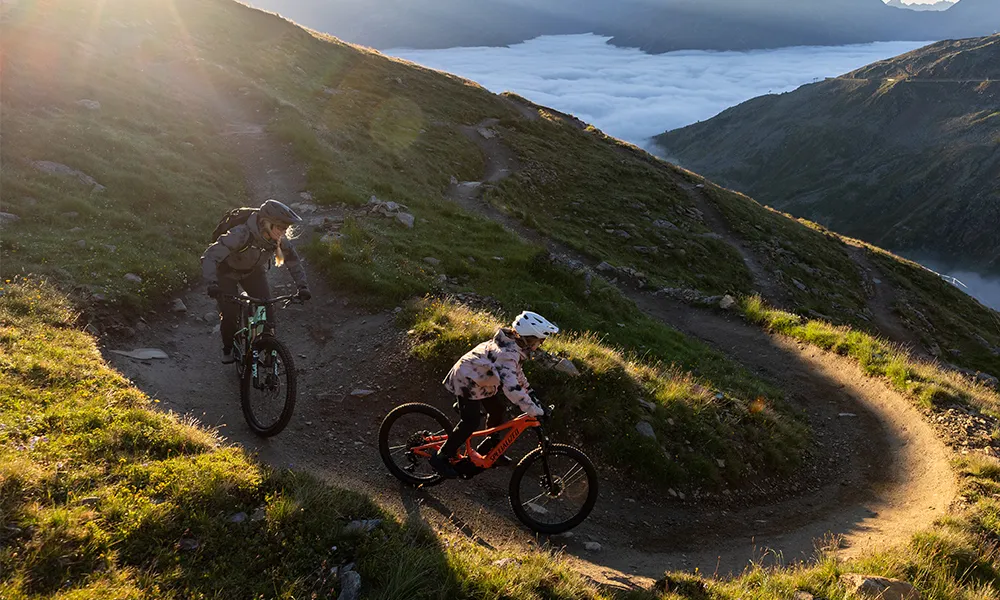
552 489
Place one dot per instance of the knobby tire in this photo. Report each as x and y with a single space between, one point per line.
516 502
262 344
383 440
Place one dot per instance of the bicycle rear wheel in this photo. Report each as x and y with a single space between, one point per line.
405 428
267 390
554 491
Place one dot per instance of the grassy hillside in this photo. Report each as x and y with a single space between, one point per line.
901 153
100 496
362 125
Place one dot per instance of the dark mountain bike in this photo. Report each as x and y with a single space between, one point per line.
552 489
265 367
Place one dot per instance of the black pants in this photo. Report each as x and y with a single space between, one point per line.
255 285
471 421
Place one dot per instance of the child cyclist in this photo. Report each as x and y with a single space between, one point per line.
478 376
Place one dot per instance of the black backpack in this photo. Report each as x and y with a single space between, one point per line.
236 216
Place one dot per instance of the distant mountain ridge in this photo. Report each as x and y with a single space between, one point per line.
652 25
904 153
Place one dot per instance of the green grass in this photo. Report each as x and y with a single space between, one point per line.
797 249
945 316
97 489
587 190
926 382
168 179
102 496
704 438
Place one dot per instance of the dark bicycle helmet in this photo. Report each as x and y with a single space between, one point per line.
278 212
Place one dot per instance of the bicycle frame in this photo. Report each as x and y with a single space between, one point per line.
253 321
516 427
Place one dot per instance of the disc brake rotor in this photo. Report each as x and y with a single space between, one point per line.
553 487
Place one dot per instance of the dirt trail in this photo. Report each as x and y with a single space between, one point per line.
881 299
339 348
764 281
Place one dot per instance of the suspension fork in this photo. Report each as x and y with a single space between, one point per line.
543 443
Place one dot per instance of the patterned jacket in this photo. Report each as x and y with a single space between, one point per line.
242 250
488 367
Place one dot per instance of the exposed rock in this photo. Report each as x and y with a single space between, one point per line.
7 219
133 278
178 306
535 508
503 562
566 366
54 168
332 237
406 219
799 285
361 392
647 405
645 430
350 586
801 595
211 316
363 526
90 501
432 261
238 517
188 544
664 224
487 134
727 302
81 243
988 380
259 514
304 207
143 353
592 547
878 588
88 104
306 196
646 249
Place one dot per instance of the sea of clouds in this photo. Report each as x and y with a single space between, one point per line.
633 95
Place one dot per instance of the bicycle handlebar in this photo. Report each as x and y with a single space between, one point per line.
262 301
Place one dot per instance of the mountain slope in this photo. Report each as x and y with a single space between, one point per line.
904 153
181 108
654 26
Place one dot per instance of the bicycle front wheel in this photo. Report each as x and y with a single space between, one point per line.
267 390
553 491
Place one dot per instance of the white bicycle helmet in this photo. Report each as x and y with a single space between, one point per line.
531 324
